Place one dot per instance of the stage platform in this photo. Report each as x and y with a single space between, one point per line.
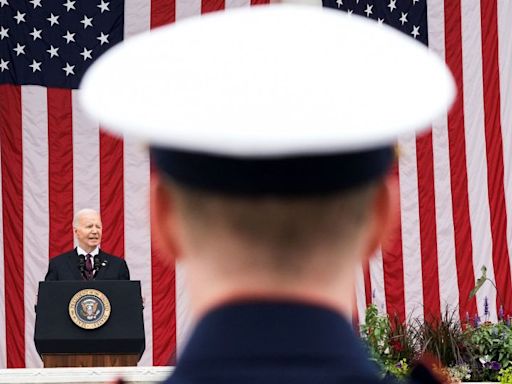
132 375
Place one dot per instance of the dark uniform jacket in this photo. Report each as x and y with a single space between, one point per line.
66 267
275 343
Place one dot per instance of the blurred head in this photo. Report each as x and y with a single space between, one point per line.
88 229
270 245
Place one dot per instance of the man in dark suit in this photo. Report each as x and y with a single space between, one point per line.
87 261
272 179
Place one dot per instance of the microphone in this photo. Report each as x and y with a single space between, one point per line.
97 264
81 263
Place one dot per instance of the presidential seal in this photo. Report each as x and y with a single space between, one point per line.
89 309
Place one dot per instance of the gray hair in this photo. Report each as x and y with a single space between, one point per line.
82 212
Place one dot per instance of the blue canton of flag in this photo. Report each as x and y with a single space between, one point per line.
52 42
408 16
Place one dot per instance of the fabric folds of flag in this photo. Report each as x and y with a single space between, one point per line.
455 181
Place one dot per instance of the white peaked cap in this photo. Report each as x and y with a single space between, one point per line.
268 83
268 80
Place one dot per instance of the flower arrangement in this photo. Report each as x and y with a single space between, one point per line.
467 351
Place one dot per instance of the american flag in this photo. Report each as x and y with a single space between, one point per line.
455 183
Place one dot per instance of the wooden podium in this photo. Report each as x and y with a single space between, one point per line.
89 323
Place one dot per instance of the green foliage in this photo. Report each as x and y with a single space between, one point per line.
479 282
505 376
460 372
388 342
443 339
400 369
493 348
476 353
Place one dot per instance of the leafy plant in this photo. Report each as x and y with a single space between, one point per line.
388 342
493 348
505 376
443 339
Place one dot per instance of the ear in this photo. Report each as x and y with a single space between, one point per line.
164 218
385 214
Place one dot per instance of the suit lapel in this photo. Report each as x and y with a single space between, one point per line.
73 264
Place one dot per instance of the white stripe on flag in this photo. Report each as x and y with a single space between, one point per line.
35 206
187 8
3 324
137 17
447 265
184 9
377 279
86 155
237 3
476 150
360 293
138 237
183 318
505 64
413 290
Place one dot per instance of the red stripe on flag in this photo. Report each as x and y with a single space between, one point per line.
211 6
355 313
162 12
163 274
367 282
393 264
258 2
60 170
163 281
12 211
458 171
428 227
494 146
112 193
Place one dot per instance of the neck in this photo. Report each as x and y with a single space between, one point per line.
207 291
87 249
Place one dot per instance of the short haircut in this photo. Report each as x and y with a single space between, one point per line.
81 212
289 228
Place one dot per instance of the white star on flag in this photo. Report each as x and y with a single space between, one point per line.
36 33
53 19
36 3
52 51
69 5
103 6
4 65
392 5
20 17
36 66
69 69
86 21
415 31
86 53
368 10
103 38
20 49
403 18
3 32
69 37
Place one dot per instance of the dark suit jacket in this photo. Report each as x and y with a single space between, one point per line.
275 343
65 267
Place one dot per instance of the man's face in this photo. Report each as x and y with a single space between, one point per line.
88 231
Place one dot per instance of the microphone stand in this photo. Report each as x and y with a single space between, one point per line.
81 265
